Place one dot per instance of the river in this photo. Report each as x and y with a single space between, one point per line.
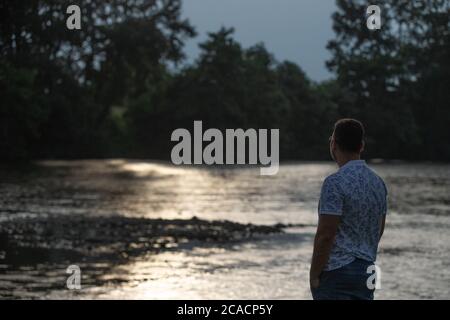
414 254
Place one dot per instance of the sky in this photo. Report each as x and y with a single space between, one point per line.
295 30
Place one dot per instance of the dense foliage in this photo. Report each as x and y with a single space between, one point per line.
116 88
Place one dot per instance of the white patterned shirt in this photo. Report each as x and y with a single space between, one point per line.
358 195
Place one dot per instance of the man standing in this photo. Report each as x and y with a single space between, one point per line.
352 212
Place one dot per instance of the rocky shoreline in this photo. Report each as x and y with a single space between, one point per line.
115 237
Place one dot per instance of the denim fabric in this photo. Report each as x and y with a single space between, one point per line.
346 283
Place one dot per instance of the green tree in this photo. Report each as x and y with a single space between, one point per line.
79 76
227 87
396 75
310 116
234 87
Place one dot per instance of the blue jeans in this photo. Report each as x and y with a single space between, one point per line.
346 283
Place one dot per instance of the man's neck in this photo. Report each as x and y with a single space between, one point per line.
347 157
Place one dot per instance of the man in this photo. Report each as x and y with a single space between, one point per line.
352 211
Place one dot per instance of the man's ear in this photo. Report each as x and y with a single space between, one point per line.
363 144
332 143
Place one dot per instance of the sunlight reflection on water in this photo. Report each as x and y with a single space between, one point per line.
414 253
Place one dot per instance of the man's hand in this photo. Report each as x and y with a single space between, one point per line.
314 282
323 242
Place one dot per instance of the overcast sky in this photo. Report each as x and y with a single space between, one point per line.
295 30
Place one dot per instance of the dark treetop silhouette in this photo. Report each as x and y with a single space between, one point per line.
109 89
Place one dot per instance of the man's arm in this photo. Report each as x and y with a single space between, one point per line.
383 222
323 242
384 211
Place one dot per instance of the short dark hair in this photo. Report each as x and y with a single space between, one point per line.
349 135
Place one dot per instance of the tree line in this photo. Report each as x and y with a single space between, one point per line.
118 88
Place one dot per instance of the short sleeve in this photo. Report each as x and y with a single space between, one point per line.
331 198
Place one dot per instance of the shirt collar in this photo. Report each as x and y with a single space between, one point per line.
352 163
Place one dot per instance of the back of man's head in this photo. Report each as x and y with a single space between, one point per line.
349 135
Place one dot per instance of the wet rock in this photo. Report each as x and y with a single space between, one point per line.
117 237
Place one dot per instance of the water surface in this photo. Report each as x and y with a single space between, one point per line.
414 253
